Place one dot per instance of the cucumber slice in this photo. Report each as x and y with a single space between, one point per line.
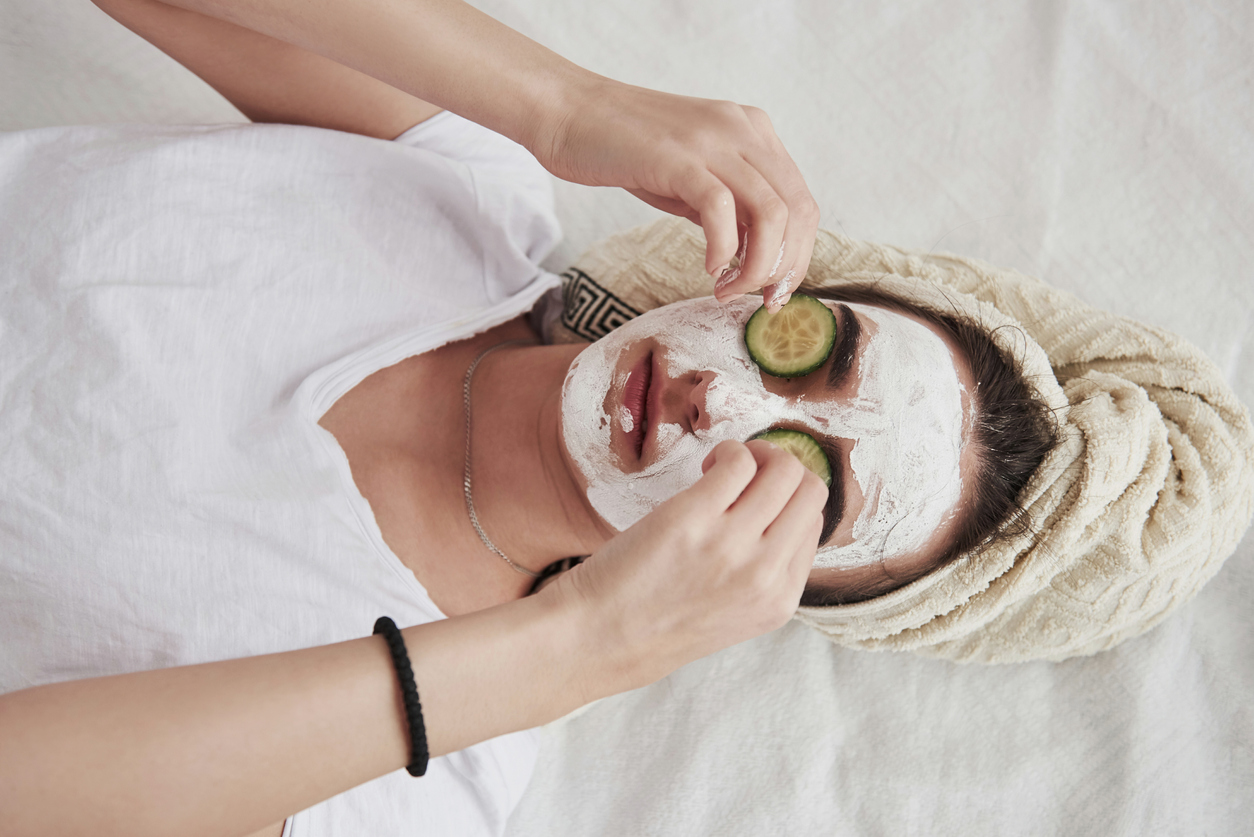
793 341
804 447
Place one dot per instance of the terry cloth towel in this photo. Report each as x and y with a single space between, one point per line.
1148 491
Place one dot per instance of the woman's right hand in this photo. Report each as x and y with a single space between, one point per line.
720 563
716 163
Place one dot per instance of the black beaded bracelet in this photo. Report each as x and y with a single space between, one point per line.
418 754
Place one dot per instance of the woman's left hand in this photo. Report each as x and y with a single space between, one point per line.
716 163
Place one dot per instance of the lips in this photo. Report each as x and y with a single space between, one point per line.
636 400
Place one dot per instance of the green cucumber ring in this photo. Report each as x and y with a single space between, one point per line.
795 340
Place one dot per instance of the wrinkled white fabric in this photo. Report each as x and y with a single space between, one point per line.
180 306
1103 146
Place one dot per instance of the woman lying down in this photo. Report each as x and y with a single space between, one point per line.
266 384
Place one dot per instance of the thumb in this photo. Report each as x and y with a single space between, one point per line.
721 452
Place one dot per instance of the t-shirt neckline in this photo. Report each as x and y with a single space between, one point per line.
322 388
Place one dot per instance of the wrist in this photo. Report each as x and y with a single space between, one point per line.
608 659
556 96
511 667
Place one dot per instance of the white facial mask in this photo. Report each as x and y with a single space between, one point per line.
905 419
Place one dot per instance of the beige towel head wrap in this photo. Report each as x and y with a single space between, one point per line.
1148 491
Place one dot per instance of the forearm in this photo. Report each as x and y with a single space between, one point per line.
269 80
230 747
441 51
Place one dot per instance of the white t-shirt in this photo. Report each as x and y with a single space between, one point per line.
178 309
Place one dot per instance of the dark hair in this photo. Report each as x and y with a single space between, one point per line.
1012 433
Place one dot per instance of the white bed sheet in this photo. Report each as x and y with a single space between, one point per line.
1106 147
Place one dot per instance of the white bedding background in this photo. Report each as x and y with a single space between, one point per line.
1106 147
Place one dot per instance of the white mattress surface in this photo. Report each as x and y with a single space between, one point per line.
1105 147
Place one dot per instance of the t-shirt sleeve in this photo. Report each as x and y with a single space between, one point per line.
449 135
511 187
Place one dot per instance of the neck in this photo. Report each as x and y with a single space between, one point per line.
526 494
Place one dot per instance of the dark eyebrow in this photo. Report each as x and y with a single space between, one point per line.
846 349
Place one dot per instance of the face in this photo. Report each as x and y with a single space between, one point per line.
642 407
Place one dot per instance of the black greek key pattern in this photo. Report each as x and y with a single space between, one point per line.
590 310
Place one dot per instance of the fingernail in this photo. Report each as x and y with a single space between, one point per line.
778 294
726 278
718 271
744 248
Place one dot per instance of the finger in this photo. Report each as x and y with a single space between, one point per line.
732 469
716 205
791 542
779 474
766 217
801 562
807 499
776 295
778 168
669 205
800 523
724 449
708 462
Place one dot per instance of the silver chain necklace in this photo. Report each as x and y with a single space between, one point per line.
470 501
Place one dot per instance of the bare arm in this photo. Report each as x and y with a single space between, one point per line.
185 750
227 748
719 164
270 80
440 51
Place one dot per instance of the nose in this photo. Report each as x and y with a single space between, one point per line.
683 400
697 414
